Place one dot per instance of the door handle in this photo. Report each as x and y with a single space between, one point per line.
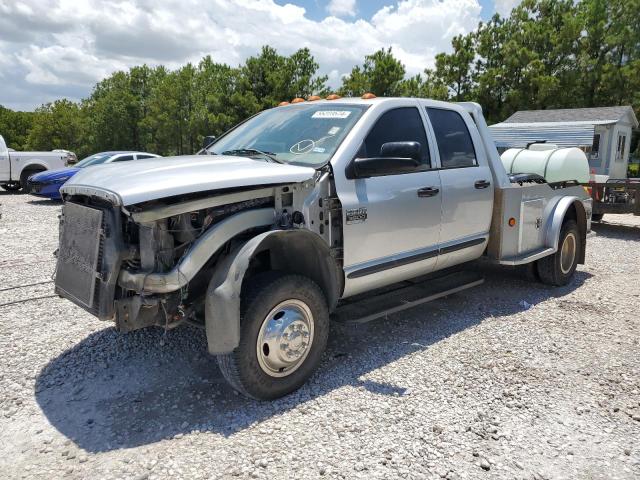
428 192
482 184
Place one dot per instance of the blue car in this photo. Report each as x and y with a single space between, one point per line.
47 184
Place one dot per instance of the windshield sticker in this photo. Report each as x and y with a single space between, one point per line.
303 146
331 114
334 130
319 150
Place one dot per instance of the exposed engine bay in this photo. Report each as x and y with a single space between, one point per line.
156 259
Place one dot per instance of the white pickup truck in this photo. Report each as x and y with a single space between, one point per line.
340 208
17 167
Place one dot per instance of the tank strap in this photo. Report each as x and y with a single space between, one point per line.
514 160
546 162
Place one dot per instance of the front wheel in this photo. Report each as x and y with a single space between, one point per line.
284 327
24 177
558 269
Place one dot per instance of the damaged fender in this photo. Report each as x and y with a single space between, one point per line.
293 251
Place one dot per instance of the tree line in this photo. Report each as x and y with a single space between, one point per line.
545 54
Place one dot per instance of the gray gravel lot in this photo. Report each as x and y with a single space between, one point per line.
478 385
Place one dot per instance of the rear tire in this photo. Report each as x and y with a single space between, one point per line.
284 326
11 187
24 176
597 217
559 268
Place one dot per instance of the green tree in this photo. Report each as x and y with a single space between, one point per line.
455 70
15 126
271 78
528 60
57 125
381 74
609 55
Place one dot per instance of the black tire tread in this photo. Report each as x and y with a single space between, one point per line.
229 363
24 176
547 267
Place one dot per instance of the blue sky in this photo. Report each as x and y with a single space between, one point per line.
317 9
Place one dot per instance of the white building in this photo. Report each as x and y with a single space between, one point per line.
604 133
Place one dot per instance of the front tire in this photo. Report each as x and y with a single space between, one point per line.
24 176
284 327
558 269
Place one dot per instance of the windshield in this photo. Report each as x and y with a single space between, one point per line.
93 160
307 134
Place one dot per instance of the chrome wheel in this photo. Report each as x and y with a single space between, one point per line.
568 253
285 338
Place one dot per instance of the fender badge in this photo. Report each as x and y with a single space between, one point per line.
356 215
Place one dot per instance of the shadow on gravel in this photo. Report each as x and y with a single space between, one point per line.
617 231
114 391
45 201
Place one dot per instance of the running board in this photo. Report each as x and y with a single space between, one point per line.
408 295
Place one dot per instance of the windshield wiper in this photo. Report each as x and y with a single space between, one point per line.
252 151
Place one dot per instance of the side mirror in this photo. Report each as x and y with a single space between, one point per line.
395 158
208 140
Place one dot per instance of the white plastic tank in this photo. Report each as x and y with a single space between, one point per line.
554 163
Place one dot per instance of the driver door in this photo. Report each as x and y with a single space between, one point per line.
392 222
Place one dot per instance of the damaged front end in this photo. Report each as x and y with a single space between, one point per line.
151 263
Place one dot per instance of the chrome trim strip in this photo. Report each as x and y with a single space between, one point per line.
399 261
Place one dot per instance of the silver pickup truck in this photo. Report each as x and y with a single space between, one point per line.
305 211
17 167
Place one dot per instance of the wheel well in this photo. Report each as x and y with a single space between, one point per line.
34 167
576 212
300 253
293 251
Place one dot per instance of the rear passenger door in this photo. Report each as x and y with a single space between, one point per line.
467 190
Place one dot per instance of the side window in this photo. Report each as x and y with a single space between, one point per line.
454 141
142 156
398 125
622 139
124 158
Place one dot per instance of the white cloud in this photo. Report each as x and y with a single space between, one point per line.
504 7
342 8
78 42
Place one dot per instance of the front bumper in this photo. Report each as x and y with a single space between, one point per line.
45 189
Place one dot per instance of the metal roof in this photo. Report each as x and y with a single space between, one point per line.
564 134
597 114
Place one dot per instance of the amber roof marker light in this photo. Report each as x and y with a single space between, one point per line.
368 96
297 100
313 98
333 96
282 104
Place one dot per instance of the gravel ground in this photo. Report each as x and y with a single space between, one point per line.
509 380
